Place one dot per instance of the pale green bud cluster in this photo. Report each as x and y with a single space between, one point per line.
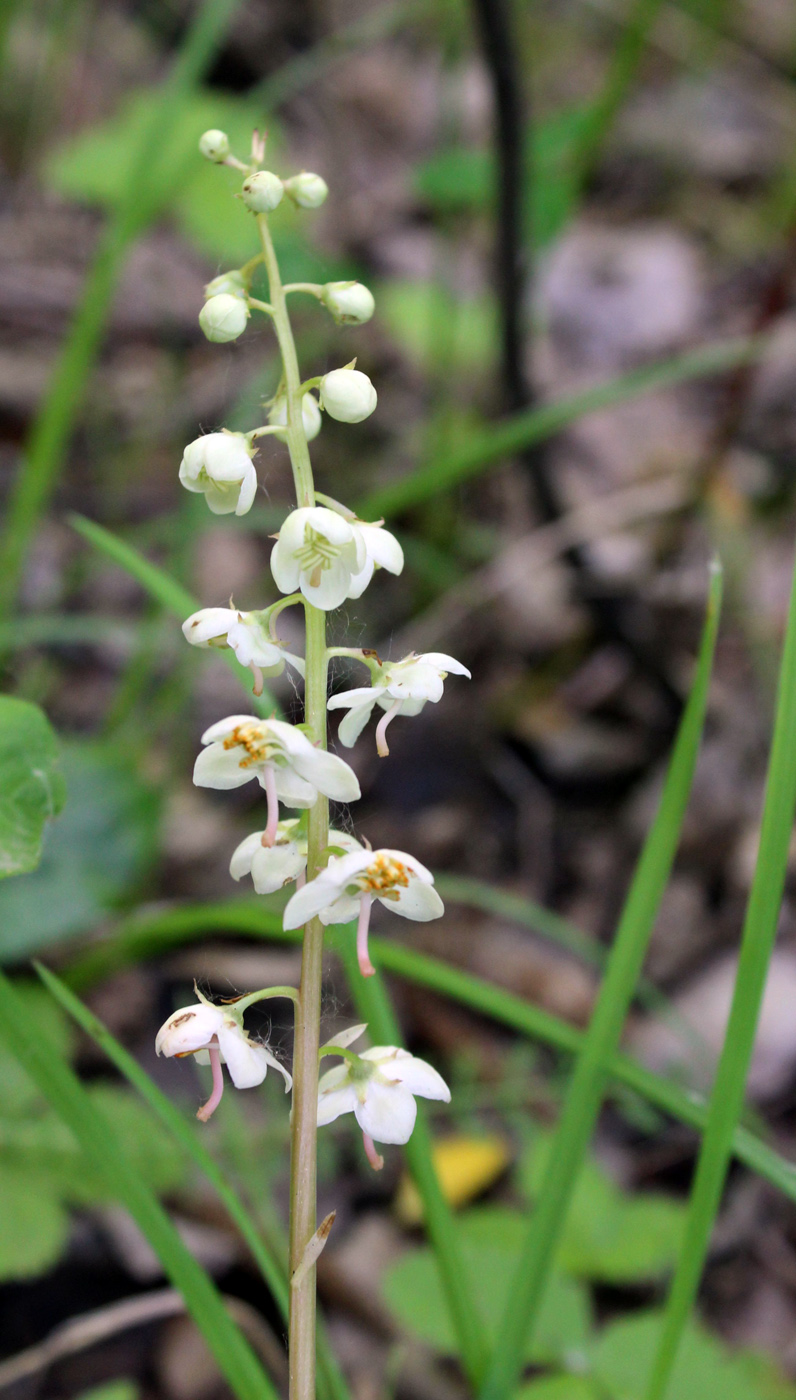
307 190
262 191
214 146
347 395
224 317
349 302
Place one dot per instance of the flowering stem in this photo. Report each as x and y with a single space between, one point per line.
306 1038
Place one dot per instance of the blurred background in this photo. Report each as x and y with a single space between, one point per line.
578 220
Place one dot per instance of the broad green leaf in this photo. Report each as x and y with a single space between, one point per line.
17 1090
623 1355
153 1154
610 1235
490 1242
94 856
31 786
436 330
35 1223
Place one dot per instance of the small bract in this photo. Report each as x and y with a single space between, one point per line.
262 191
220 466
223 317
307 189
349 302
347 395
214 145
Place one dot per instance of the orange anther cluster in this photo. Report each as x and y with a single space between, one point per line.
383 875
251 738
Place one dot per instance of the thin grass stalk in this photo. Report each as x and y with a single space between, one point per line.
757 943
144 192
373 1005
587 1087
67 1096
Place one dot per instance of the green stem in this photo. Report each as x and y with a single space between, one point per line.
313 288
306 1040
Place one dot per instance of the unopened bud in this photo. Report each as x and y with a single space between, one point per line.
310 414
306 189
349 302
214 146
232 284
347 395
262 191
223 318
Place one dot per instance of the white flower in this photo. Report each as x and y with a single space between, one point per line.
220 465
349 302
280 756
346 887
223 317
378 1087
262 191
215 1035
347 395
307 189
400 688
246 635
319 552
214 145
383 551
310 415
271 867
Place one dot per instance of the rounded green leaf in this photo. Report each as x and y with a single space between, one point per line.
31 786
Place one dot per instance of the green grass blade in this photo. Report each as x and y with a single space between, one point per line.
587 1087
144 195
374 1006
535 424
273 1269
757 943
168 592
147 936
62 1088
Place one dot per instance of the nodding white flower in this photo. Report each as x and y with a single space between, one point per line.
246 635
214 145
400 688
290 768
271 867
215 1035
232 284
223 317
319 552
262 191
310 415
346 888
383 552
347 395
220 465
350 303
379 1088
306 189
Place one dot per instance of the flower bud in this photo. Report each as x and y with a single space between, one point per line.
349 302
223 317
231 284
307 190
310 414
262 191
347 395
214 145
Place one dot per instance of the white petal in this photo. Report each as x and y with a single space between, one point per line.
242 856
415 1075
246 1062
316 895
342 911
388 1113
273 866
292 530
204 626
297 662
223 727
345 699
347 1037
333 1102
334 527
285 568
293 790
382 547
417 682
222 497
188 1029
417 901
329 774
360 580
217 767
353 723
248 491
332 588
445 663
